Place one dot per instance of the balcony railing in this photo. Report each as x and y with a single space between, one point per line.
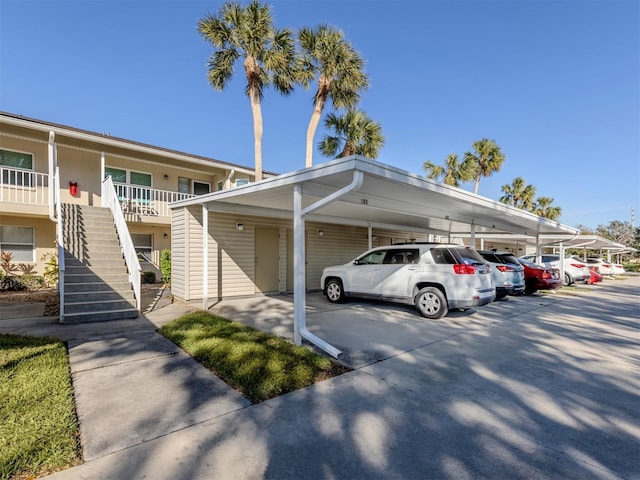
145 201
23 186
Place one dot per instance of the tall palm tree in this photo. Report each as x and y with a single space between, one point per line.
340 71
453 171
544 208
518 194
487 156
269 57
355 134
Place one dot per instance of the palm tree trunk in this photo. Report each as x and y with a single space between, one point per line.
475 187
311 130
256 110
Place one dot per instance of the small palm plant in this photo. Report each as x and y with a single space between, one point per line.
50 273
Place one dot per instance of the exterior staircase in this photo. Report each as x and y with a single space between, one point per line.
96 281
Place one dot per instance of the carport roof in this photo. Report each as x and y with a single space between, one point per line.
387 198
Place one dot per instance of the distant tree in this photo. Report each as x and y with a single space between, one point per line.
544 208
269 57
340 71
487 157
453 172
518 194
355 134
618 231
584 230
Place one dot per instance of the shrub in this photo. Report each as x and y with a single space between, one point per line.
165 265
50 273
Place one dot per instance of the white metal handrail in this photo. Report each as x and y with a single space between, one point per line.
59 239
110 200
145 201
23 186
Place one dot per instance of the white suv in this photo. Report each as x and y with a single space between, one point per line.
433 277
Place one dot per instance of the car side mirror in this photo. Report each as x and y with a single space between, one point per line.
356 262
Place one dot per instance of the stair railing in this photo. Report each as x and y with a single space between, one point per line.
59 239
110 200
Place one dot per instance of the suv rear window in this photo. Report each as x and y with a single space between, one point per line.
504 258
454 255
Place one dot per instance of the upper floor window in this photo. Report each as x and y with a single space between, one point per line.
16 167
241 181
119 175
187 185
19 241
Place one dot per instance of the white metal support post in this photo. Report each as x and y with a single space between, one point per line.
205 257
299 268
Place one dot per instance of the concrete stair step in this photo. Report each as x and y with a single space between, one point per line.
100 295
99 270
97 305
102 316
93 278
87 287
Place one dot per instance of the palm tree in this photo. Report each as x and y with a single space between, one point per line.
340 71
544 209
355 134
518 194
269 57
487 156
453 172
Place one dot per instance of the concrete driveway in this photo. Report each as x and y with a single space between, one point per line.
529 387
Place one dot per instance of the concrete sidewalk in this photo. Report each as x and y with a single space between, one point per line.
530 387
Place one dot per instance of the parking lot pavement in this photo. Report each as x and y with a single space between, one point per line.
534 387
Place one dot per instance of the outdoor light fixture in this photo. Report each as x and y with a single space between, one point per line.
166 177
240 226
166 235
320 232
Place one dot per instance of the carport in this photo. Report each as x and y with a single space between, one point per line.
370 194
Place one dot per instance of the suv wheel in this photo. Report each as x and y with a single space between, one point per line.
431 303
334 291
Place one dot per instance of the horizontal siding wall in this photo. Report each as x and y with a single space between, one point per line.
231 252
178 253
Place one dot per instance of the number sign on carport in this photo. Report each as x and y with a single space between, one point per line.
367 193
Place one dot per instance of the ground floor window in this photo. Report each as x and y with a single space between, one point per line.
143 243
16 167
19 241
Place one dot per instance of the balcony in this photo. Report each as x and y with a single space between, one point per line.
24 187
137 201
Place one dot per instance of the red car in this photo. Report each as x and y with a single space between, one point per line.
596 276
538 277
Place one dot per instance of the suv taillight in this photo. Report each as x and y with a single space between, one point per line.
462 269
505 268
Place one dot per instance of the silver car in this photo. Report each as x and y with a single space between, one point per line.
508 273
433 277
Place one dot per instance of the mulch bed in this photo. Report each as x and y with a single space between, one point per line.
49 297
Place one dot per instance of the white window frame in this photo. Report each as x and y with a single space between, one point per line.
32 244
242 181
29 170
193 186
128 172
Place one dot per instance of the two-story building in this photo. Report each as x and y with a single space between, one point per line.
35 154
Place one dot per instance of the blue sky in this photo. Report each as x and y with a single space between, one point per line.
555 83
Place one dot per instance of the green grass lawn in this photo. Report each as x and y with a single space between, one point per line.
258 365
39 429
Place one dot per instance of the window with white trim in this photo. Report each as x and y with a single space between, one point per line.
20 241
16 167
143 243
241 181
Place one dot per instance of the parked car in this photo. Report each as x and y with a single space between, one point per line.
574 270
603 267
433 277
538 277
595 276
618 269
508 274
